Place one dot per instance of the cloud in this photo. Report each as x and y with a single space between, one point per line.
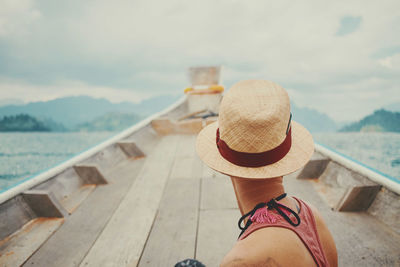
144 47
16 16
348 25
385 52
31 93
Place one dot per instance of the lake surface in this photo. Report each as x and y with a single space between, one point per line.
25 154
380 151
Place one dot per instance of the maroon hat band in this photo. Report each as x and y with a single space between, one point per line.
245 159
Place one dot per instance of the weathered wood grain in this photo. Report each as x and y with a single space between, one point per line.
219 213
379 209
313 169
69 245
162 126
217 193
208 172
72 201
358 198
90 174
218 233
19 246
44 204
122 241
173 236
165 126
130 149
186 163
14 214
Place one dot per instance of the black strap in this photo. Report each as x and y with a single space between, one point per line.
272 204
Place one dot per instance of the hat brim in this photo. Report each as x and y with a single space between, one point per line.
299 154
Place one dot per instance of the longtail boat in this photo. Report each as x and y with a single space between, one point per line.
144 198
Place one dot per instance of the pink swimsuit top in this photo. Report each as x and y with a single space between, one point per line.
306 230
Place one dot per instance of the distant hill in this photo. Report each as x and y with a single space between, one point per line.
313 120
54 126
22 123
27 123
380 121
72 111
341 124
109 122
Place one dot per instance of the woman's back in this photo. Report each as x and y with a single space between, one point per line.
280 244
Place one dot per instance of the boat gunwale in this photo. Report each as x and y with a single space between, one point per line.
37 179
391 183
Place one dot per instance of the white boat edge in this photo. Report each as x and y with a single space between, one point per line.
388 182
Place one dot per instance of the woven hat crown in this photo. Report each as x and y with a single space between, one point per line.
254 116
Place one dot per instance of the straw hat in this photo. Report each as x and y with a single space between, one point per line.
254 136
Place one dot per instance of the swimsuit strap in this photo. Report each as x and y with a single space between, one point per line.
272 204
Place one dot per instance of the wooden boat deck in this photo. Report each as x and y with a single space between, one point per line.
169 206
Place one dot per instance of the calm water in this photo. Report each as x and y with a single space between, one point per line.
25 154
380 151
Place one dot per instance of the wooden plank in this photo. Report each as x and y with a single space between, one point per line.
44 204
208 172
163 126
386 198
69 245
63 184
217 193
186 147
218 233
219 213
313 169
20 246
182 167
186 163
122 240
14 214
90 174
192 126
335 181
175 226
131 150
358 198
72 201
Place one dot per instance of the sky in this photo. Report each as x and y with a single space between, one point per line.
338 57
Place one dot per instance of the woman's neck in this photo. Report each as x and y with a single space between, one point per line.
250 192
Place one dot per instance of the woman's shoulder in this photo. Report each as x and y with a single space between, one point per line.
271 246
325 236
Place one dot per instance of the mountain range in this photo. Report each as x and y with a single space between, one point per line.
84 113
313 120
380 121
109 122
75 110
